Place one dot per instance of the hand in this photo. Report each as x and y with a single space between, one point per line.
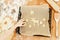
7 35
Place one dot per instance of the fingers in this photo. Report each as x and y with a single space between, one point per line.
19 23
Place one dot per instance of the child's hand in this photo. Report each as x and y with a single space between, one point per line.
7 35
